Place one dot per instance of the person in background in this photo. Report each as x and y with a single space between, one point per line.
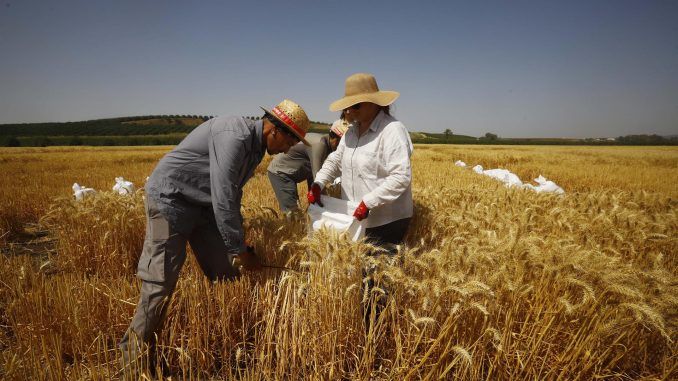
194 196
301 163
373 160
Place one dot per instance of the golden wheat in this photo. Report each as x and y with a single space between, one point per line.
492 283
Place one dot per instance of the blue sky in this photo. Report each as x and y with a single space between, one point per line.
515 68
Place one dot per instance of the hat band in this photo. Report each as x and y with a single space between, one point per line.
288 121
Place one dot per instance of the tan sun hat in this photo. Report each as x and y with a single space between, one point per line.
362 87
293 117
339 127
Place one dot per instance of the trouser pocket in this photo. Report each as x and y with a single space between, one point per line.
153 261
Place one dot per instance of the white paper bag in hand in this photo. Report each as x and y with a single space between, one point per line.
336 214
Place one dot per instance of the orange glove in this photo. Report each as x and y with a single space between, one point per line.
361 212
313 195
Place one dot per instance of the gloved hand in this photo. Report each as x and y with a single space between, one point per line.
313 195
249 260
361 212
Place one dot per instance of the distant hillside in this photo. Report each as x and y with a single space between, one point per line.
489 138
171 129
435 138
136 125
135 130
192 122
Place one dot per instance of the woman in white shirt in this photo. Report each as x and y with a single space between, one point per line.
373 160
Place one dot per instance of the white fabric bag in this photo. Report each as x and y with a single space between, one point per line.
80 192
505 176
336 214
123 186
545 185
510 179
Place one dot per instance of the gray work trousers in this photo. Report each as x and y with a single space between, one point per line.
161 260
285 190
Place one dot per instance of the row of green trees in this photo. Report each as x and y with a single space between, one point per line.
159 116
134 140
647 140
155 125
447 137
170 129
159 125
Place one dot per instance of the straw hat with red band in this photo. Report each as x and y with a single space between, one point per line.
362 87
293 117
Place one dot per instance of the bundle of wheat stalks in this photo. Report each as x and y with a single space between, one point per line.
492 283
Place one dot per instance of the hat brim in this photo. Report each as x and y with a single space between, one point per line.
382 98
290 129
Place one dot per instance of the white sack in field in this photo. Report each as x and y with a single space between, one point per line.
511 179
81 192
123 186
336 214
505 176
545 186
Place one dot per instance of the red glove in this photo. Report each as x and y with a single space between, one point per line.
361 212
313 195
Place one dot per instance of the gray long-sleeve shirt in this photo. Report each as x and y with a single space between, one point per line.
208 169
302 162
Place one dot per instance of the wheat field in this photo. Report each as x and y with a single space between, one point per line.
491 284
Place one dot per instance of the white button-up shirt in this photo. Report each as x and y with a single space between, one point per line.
374 168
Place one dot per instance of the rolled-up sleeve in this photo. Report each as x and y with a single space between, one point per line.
227 150
331 168
396 161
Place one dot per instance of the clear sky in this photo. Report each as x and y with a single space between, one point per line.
515 68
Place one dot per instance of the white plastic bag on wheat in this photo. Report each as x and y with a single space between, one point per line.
336 214
80 192
123 186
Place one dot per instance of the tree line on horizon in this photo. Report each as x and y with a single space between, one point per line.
123 131
171 129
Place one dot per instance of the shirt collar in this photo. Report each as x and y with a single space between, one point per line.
374 126
377 122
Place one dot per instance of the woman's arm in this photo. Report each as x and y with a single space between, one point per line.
396 156
331 168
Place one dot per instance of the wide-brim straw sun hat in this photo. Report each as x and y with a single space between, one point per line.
362 87
292 116
339 127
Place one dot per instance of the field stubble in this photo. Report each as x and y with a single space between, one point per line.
493 283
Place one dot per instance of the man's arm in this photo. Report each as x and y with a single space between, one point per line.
227 151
